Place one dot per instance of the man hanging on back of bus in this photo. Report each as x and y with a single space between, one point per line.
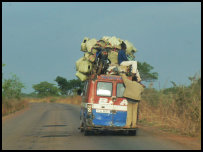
123 60
132 93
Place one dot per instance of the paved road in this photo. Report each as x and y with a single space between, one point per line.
51 126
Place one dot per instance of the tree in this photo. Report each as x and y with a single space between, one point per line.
11 88
70 86
145 72
75 85
63 85
44 89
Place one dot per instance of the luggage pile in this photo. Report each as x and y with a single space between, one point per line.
84 65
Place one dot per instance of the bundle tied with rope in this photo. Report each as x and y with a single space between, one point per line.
91 46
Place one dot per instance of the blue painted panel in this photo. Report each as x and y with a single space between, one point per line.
102 119
119 118
85 112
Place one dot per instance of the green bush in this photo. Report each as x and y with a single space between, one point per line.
11 88
11 94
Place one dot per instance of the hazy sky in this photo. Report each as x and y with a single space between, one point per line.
42 40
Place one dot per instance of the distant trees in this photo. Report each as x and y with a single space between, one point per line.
44 89
63 85
68 87
145 72
11 88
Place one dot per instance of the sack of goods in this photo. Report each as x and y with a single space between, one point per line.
115 42
113 57
83 68
81 76
90 56
90 44
77 63
83 44
122 68
113 70
90 47
105 38
100 44
130 49
83 65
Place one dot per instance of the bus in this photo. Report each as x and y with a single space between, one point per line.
103 106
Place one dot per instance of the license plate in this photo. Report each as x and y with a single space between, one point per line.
102 111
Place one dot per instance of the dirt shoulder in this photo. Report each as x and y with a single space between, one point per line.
193 143
15 114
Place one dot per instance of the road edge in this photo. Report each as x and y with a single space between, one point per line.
15 114
193 143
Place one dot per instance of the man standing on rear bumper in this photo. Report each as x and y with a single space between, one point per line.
133 91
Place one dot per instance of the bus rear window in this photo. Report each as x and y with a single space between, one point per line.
120 90
104 89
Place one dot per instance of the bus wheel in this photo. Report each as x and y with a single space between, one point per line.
81 125
132 132
87 132
82 128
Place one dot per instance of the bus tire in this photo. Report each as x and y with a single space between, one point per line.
87 132
132 132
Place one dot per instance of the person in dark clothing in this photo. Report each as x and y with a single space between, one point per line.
121 54
123 60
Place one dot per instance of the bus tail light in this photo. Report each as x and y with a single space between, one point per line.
113 98
89 108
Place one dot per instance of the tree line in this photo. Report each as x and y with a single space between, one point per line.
12 87
65 87
70 87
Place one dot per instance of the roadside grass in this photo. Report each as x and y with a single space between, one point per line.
66 100
12 105
176 110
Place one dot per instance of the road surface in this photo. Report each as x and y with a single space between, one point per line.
53 126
